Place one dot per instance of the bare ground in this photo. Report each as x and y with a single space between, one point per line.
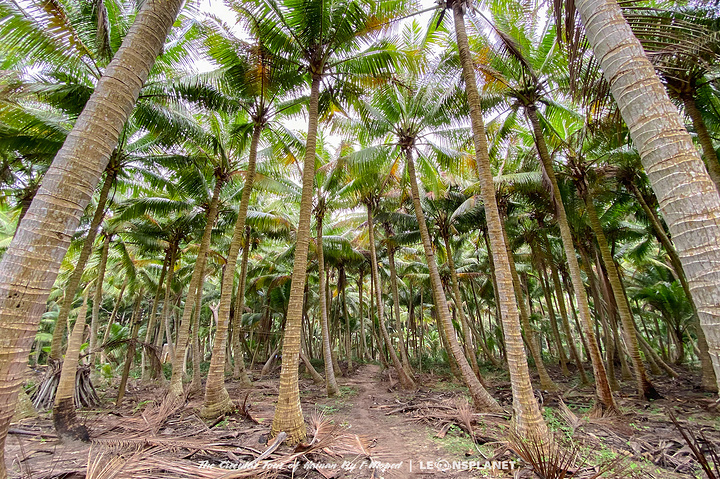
371 430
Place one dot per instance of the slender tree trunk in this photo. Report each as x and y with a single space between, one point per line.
481 398
197 352
130 356
688 198
551 311
288 412
396 310
76 276
342 283
239 371
405 380
566 325
152 320
97 297
602 386
64 418
331 385
711 158
167 302
111 320
217 399
31 263
363 342
182 335
645 387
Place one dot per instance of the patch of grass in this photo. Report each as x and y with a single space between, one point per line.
557 424
347 392
457 442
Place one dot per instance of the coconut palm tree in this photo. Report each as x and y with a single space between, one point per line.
44 234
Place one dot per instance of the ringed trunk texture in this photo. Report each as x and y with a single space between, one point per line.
217 400
76 276
31 263
526 412
711 158
689 200
331 385
288 416
481 398
64 418
602 384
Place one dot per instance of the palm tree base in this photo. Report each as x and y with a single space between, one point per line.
217 408
64 420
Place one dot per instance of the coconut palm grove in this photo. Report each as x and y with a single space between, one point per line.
359 238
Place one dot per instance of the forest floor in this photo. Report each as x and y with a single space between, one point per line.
372 429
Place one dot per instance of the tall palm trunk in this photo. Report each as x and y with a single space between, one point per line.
481 398
711 158
361 319
645 387
396 309
542 273
167 301
239 371
455 287
31 263
688 198
76 276
566 325
288 416
135 322
217 399
405 380
152 319
64 418
602 385
709 382
175 390
527 417
111 319
331 385
97 297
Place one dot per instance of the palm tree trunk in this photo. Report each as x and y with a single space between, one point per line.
708 381
239 371
217 399
688 198
361 319
566 325
405 380
195 382
152 319
602 385
64 418
396 311
468 343
348 334
130 356
97 297
645 387
175 390
31 263
331 385
167 303
711 158
111 320
542 273
288 412
481 398
76 276
528 420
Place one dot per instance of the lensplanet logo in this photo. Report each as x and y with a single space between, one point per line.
443 465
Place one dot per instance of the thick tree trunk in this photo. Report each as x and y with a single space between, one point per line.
76 276
602 385
528 420
688 198
288 412
217 399
31 263
481 398
331 385
64 418
182 335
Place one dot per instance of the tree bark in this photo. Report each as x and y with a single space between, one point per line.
711 158
239 371
688 198
331 385
97 297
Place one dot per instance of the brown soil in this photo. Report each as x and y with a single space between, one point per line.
371 430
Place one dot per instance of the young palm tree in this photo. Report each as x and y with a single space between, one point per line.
320 38
32 261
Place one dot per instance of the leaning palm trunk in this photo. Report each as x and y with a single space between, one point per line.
688 198
331 385
217 399
481 398
31 263
175 390
288 416
528 420
97 297
711 158
645 387
76 276
239 371
64 418
602 384
405 380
